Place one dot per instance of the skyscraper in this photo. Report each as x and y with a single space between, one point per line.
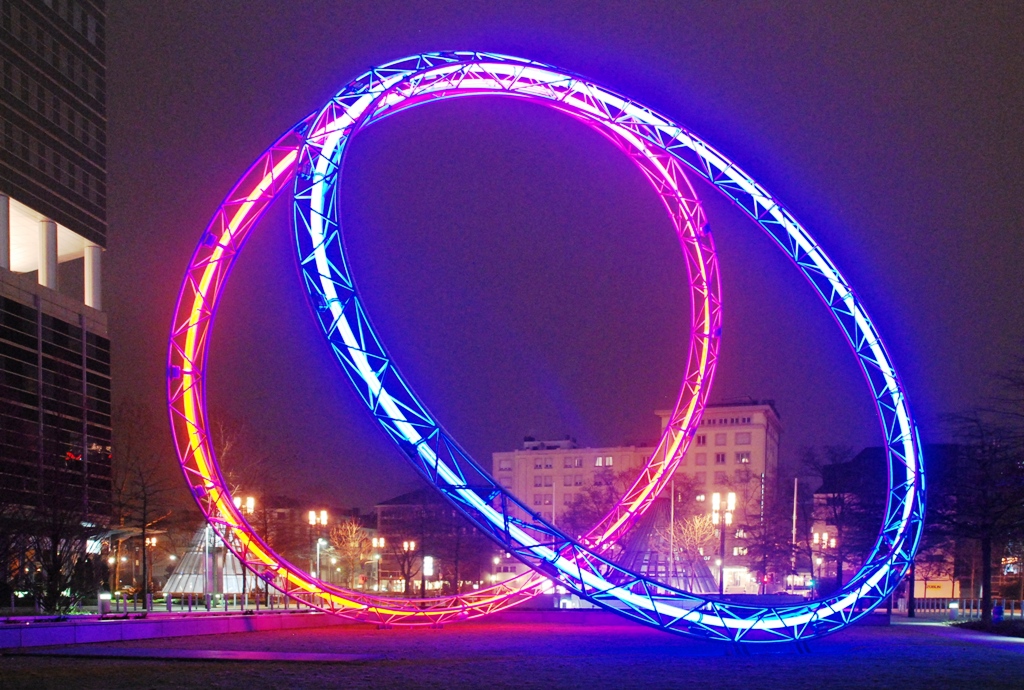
54 351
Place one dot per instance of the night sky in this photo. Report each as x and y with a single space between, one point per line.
520 269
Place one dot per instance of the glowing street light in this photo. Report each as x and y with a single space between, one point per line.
718 516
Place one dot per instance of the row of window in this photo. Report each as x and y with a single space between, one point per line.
54 53
740 438
739 476
541 480
741 458
567 463
60 169
719 421
80 18
548 499
53 107
548 463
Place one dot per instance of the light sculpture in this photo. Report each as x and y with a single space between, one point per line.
202 288
664 151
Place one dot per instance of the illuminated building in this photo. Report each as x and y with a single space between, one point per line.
54 352
735 449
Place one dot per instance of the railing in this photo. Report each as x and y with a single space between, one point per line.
967 608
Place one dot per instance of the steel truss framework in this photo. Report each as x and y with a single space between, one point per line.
203 285
662 149
430 77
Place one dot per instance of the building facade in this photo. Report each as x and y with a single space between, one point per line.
735 449
54 349
736 445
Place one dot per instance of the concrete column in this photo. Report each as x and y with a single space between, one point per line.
93 276
5 232
48 254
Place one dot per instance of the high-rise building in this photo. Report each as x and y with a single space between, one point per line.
54 350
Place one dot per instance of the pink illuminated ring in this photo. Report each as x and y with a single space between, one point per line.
201 290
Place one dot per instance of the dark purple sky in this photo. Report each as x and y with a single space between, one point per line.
518 267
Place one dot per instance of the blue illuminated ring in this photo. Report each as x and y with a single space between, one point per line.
579 568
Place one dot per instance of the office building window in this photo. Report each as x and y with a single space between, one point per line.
720 439
743 438
719 458
702 439
700 459
701 477
720 478
743 457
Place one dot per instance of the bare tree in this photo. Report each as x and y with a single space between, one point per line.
142 485
691 536
985 499
60 532
351 543
407 558
594 501
848 501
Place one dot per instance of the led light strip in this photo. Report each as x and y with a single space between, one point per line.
659 146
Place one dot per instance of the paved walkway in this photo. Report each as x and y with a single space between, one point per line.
906 655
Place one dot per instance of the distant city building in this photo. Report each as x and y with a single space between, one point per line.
428 546
54 353
847 515
549 475
735 449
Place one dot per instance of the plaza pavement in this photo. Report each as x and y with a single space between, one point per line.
506 653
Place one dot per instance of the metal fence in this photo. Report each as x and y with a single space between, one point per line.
966 608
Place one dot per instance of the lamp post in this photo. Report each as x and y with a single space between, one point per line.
319 542
377 543
147 562
316 518
206 567
718 517
247 508
823 542
409 547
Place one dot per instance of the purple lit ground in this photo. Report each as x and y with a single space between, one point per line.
507 654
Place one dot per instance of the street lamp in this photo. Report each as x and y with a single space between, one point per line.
717 518
824 542
248 508
319 543
315 519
